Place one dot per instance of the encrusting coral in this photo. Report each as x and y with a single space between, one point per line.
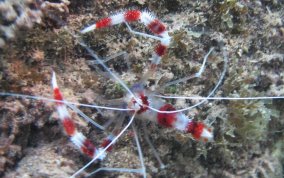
18 14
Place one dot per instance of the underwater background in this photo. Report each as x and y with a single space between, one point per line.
248 134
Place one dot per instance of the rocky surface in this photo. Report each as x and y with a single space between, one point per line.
248 135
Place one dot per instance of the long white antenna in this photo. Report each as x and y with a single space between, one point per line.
104 150
59 101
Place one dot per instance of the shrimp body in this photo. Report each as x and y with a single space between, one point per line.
175 120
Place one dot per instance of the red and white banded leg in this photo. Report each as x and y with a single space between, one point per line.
107 141
145 17
77 138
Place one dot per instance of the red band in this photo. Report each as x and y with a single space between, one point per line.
103 23
132 15
167 119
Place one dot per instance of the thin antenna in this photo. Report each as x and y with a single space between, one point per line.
196 75
87 119
220 98
59 101
139 152
146 136
104 150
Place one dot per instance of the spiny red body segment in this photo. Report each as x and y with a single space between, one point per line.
145 103
157 27
166 119
69 126
160 49
132 15
57 95
196 129
88 148
105 22
105 143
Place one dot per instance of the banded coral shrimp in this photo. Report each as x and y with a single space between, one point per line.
188 163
